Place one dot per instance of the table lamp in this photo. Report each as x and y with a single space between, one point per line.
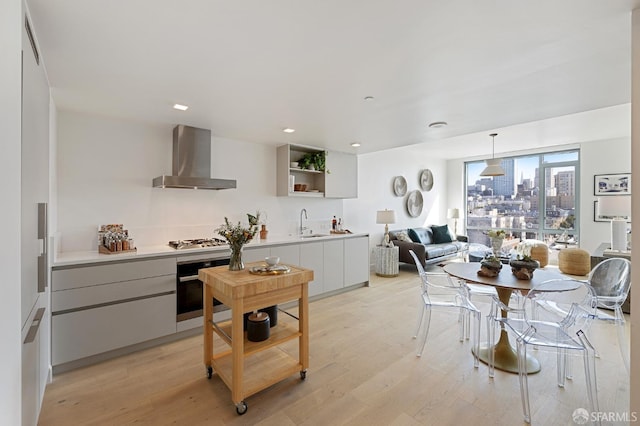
386 217
455 215
618 208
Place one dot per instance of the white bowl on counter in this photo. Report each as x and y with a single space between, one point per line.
272 260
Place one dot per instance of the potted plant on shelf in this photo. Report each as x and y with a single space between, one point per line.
313 161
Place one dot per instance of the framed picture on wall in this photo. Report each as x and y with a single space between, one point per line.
616 184
600 218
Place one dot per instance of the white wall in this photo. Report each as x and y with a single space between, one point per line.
599 157
10 111
375 192
105 167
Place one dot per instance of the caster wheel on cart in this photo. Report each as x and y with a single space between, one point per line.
209 372
241 408
303 374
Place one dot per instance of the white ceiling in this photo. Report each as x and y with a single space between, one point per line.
247 69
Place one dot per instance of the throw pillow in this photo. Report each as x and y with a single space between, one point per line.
421 235
441 234
413 236
402 236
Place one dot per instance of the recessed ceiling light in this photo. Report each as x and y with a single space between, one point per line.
437 124
369 98
181 107
355 144
288 130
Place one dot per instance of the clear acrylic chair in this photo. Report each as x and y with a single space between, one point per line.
553 315
441 291
611 281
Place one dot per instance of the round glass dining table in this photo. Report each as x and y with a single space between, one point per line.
506 357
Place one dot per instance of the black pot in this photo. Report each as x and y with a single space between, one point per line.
258 327
272 311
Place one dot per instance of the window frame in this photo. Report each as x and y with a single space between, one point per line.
542 232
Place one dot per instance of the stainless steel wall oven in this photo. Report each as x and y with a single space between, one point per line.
189 288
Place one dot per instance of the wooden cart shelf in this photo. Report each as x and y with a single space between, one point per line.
277 335
250 367
260 371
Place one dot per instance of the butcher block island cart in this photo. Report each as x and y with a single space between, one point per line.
249 367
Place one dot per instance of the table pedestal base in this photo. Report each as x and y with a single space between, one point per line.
506 358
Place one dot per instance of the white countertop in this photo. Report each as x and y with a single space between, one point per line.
147 252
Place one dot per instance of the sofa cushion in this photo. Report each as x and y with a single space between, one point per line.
434 251
438 250
441 234
421 235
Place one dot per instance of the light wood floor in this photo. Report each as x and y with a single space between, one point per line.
363 372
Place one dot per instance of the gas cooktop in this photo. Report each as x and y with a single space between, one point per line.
199 243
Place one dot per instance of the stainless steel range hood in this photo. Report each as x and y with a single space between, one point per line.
192 162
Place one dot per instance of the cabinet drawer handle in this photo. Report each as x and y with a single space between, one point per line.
35 325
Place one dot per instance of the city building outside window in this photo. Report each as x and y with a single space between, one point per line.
537 198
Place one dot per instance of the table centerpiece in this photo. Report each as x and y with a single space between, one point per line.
523 265
237 236
490 267
497 239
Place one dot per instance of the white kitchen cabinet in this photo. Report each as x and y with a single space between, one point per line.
98 308
333 269
254 254
87 332
35 363
289 254
339 181
34 187
312 257
356 260
35 168
83 297
93 275
337 263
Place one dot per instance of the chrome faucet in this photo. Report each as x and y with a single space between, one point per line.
302 228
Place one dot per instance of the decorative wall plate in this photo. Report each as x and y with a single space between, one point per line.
426 180
414 203
399 186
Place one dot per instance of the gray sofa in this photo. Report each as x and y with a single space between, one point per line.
430 247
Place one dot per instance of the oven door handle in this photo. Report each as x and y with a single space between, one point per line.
188 278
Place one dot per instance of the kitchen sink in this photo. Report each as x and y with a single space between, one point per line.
314 236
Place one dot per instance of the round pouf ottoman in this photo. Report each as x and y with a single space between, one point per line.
574 261
539 252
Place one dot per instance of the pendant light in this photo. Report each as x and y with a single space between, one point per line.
493 165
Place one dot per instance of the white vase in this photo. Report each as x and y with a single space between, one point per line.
496 245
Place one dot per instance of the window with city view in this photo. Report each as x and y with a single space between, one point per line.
537 198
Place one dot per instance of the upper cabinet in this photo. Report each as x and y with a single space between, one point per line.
341 179
300 173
